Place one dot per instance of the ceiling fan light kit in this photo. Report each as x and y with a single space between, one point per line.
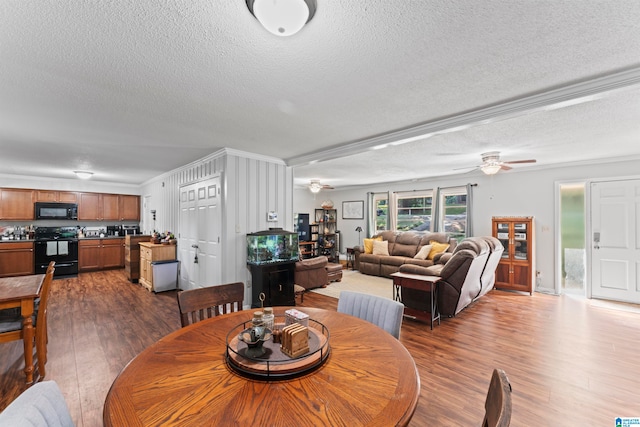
490 169
282 17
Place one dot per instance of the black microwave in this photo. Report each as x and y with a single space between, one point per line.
52 210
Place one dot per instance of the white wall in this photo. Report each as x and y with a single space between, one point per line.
513 193
252 185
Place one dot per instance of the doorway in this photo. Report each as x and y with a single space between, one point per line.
199 237
614 235
571 276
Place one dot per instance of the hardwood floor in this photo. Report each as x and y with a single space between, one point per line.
569 361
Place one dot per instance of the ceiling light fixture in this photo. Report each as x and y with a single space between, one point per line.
282 17
490 169
315 187
83 174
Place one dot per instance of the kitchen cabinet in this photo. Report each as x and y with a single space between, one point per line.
132 255
149 253
55 196
129 207
98 207
16 204
99 254
516 269
16 259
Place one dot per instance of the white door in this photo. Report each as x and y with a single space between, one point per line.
199 236
615 240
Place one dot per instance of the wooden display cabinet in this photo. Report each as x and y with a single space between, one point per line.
516 269
16 259
149 253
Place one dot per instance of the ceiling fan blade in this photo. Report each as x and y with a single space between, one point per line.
468 167
328 187
505 167
521 161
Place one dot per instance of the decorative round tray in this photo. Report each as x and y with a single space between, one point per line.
274 364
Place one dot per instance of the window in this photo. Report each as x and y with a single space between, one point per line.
453 205
381 211
413 210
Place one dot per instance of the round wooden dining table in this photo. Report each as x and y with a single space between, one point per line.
368 379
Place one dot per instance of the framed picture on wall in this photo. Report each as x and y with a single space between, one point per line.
353 210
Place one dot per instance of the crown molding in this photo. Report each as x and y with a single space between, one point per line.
559 97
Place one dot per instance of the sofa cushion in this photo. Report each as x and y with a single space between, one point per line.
381 247
368 244
436 248
423 252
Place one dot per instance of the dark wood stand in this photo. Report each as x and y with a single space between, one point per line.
421 283
275 281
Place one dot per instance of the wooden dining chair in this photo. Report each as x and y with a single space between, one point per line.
498 403
11 329
202 303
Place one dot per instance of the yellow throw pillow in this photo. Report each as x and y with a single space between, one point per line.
368 245
436 248
381 247
423 253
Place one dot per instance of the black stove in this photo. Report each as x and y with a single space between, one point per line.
59 244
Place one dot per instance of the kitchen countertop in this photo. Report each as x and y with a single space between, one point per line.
79 238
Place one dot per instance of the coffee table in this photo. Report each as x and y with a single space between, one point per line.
419 282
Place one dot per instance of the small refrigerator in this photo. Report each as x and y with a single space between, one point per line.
165 275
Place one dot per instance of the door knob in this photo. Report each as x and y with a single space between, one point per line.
195 246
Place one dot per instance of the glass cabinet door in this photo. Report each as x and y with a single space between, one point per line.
521 251
503 236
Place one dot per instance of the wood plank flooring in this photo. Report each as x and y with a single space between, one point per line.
570 361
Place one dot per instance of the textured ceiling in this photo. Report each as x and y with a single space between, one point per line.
130 90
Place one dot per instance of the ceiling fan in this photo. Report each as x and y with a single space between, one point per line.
491 163
315 186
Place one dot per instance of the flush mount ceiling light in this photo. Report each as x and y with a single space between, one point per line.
282 17
83 174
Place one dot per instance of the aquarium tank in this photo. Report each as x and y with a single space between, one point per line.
272 246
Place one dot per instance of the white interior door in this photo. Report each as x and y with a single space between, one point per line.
615 240
199 236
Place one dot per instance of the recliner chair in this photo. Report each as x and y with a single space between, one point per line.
460 278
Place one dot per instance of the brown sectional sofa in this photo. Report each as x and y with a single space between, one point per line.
465 275
403 246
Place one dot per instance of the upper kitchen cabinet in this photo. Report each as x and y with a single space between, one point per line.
129 208
55 196
108 207
98 207
16 204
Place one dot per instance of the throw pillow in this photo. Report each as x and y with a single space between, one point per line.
381 247
368 245
423 253
436 248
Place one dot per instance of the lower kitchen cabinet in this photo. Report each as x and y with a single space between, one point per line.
150 253
16 259
98 254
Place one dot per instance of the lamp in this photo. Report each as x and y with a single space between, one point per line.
490 168
282 17
83 174
359 230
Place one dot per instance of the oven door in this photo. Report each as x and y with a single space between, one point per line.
63 251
